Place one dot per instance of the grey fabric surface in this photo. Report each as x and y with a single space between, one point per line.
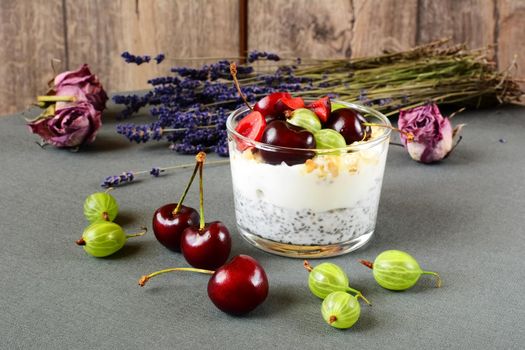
463 218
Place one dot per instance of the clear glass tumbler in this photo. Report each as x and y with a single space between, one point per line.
323 206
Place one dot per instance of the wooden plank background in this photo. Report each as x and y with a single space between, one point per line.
33 32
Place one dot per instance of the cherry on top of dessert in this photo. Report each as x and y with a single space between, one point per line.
349 123
283 134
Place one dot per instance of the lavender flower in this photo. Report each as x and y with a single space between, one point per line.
138 60
159 58
155 172
257 55
114 181
140 133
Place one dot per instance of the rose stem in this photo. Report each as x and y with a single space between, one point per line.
55 98
201 157
181 200
438 278
408 135
141 233
233 71
146 278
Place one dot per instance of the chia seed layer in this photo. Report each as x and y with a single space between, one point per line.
306 226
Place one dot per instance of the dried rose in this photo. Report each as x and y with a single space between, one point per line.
83 85
433 136
71 126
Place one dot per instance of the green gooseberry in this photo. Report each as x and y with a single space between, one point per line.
304 118
326 278
397 270
336 106
340 310
329 139
103 238
100 206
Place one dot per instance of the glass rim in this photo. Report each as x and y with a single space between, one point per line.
349 148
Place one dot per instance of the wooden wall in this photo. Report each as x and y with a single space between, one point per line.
33 32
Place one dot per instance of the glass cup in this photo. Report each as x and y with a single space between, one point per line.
316 203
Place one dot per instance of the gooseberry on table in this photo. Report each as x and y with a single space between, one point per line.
326 278
100 206
397 270
340 310
103 238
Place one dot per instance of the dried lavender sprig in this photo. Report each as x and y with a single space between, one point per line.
138 60
144 133
129 176
257 55
117 180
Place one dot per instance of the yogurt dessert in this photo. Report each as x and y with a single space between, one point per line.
305 187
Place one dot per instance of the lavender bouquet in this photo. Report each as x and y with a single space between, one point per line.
189 108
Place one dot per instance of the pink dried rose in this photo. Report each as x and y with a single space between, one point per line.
433 136
71 126
83 85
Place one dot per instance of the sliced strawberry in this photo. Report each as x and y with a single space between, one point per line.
266 105
292 103
252 126
322 108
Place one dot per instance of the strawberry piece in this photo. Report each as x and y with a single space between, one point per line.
322 108
266 105
292 103
252 126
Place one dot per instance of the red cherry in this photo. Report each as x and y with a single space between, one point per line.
251 126
287 103
322 108
349 123
168 226
281 133
206 248
239 286
266 105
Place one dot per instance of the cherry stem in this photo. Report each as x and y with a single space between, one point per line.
367 263
233 71
307 266
438 278
201 192
408 135
146 278
181 200
81 241
138 234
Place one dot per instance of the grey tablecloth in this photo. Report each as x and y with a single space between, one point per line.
463 218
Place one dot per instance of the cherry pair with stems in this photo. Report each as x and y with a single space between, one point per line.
235 287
